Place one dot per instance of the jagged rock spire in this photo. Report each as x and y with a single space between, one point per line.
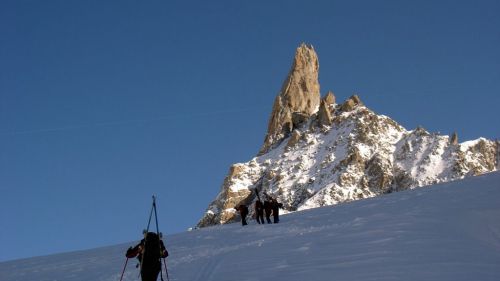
325 109
299 96
454 139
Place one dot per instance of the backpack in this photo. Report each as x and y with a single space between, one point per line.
152 248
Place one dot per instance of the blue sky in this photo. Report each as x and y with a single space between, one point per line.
104 103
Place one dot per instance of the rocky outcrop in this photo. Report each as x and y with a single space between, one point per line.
488 151
350 103
299 96
454 139
326 108
294 138
221 210
329 99
497 147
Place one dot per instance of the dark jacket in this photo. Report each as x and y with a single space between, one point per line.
268 207
259 207
243 210
276 207
138 249
276 210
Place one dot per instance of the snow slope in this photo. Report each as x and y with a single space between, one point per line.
449 231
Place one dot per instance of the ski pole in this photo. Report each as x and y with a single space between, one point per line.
166 270
157 231
161 273
124 267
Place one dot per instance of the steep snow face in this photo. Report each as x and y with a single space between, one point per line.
360 155
447 232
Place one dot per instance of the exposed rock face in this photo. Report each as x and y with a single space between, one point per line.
349 104
342 153
497 147
230 196
326 108
329 99
454 139
299 96
294 138
498 154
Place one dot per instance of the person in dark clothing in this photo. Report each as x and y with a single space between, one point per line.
268 209
259 212
276 210
243 213
149 252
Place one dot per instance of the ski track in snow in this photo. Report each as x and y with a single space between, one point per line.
449 231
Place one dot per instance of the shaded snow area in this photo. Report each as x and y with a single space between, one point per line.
449 231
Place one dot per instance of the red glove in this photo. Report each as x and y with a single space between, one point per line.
132 252
164 254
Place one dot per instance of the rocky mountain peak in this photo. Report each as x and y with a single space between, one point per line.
299 97
318 152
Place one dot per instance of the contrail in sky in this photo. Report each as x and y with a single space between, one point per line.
124 122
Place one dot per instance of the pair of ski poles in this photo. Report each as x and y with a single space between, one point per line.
125 266
153 208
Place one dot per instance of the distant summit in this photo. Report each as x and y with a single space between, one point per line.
317 152
298 99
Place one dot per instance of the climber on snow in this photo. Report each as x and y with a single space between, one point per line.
275 205
259 212
149 252
243 209
268 209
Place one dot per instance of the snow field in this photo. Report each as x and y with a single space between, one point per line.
449 231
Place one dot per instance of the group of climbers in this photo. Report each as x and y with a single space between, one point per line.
270 207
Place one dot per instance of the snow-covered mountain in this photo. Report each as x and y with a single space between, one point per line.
450 231
318 152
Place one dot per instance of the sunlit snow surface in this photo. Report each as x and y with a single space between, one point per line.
449 231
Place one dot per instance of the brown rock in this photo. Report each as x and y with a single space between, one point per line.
299 119
294 139
421 131
299 94
380 175
235 198
350 103
329 99
454 139
235 171
325 109
497 159
324 114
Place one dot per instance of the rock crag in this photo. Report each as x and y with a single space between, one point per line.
299 97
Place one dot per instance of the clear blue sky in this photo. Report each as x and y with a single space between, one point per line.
104 103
